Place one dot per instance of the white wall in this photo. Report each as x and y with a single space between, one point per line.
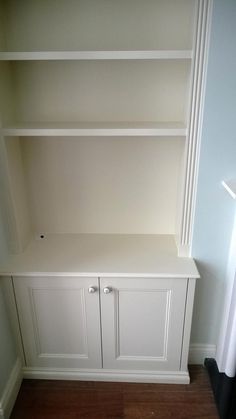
8 353
214 208
7 346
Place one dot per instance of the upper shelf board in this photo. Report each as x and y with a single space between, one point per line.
165 129
97 55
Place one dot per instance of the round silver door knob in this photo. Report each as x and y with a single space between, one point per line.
107 290
91 290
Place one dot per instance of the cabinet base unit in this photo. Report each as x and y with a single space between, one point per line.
108 328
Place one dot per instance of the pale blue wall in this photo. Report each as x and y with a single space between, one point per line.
214 208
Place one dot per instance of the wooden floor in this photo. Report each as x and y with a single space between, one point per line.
95 400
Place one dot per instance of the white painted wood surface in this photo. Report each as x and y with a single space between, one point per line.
125 185
164 377
13 195
187 323
97 25
142 320
195 117
96 55
162 129
142 323
60 321
106 185
145 78
11 390
101 255
114 91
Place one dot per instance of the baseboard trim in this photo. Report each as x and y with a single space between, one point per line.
199 351
12 388
172 377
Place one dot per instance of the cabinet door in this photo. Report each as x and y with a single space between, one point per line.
142 322
60 321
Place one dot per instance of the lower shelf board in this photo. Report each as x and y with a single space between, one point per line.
101 255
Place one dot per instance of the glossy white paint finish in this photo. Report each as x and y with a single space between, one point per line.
195 117
98 129
101 255
142 320
60 321
102 185
70 88
187 323
124 185
97 55
9 395
169 377
97 91
93 25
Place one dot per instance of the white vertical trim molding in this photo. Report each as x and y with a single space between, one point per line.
226 347
11 390
187 323
200 60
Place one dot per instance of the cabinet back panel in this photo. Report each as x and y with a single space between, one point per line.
7 93
18 193
101 91
98 24
102 185
2 29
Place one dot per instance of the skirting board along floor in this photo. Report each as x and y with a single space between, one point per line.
160 377
199 351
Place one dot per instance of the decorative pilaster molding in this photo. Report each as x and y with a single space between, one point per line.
192 151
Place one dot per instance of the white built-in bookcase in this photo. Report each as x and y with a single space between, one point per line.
100 107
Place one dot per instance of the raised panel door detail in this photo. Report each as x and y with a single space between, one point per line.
60 321
137 310
143 323
67 304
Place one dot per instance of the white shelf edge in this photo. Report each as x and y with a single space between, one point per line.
97 55
90 132
230 186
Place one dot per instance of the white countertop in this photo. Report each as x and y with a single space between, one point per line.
101 255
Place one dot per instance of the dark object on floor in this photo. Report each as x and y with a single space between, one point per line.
224 389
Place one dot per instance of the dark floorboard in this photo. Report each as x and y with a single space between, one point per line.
44 399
